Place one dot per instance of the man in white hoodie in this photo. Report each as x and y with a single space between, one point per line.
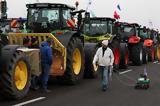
104 58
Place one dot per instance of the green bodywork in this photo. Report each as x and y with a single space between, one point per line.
98 38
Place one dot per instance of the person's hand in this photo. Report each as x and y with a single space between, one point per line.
111 66
95 67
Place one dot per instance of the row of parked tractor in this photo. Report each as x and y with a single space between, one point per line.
75 43
131 43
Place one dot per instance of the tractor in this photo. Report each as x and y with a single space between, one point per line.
150 39
128 33
96 30
18 61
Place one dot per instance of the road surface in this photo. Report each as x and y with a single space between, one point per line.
121 92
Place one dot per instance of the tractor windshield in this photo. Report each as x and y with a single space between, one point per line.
95 27
154 36
126 31
143 34
43 19
48 20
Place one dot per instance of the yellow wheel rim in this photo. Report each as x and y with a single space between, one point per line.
21 75
76 61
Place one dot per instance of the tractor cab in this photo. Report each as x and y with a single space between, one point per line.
98 26
148 36
47 17
127 31
154 36
144 33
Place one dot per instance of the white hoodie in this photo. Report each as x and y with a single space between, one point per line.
105 60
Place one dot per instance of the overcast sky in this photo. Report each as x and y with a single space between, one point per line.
140 11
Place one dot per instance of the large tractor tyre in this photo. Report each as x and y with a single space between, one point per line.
155 53
75 62
158 53
124 60
151 54
145 55
90 51
115 46
137 54
15 76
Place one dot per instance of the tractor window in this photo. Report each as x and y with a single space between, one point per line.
137 32
149 34
126 31
143 34
40 14
109 28
66 16
95 27
43 19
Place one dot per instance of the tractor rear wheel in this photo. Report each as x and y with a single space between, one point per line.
15 76
145 55
137 54
155 53
151 54
75 61
90 50
124 60
115 46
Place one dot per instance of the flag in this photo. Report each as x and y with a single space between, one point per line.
119 8
116 16
145 71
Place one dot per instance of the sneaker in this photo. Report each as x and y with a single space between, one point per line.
104 88
35 88
46 90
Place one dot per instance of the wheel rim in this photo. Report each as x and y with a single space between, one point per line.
146 57
76 61
116 56
152 53
127 57
21 75
141 55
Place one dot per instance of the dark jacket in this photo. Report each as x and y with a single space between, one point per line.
46 53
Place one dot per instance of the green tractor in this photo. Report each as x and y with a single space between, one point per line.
96 30
19 61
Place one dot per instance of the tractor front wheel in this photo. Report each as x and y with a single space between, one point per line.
137 54
124 56
115 46
90 51
15 76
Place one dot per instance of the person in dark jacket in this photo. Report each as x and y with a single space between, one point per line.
46 61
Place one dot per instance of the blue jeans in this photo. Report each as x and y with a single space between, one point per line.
34 81
45 75
104 74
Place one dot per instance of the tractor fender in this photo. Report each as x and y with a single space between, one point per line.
65 38
148 42
134 39
7 53
113 37
124 59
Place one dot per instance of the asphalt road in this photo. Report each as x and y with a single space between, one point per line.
121 92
